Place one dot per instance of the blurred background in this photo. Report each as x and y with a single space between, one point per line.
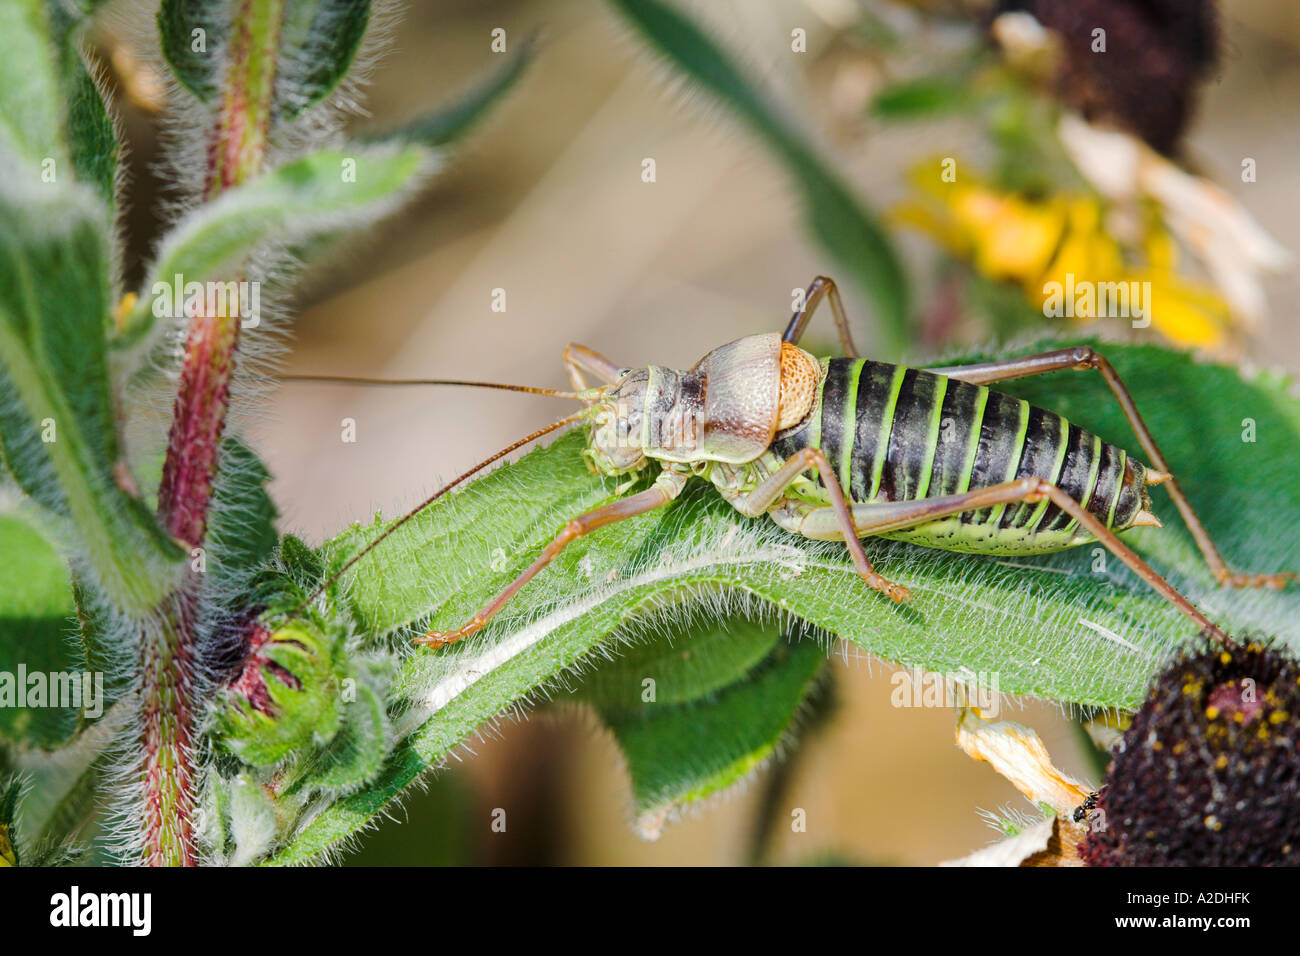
547 202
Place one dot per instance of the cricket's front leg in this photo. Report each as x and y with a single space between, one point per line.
579 359
668 487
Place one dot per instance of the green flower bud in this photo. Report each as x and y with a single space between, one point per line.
285 695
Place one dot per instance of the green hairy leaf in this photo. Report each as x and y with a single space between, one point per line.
29 95
846 229
445 126
682 669
86 123
193 57
90 131
356 752
57 426
678 753
698 708
241 535
318 42
36 619
309 197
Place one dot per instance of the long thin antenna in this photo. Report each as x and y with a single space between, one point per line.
586 396
430 500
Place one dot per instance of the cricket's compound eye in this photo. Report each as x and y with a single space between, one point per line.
616 436
800 373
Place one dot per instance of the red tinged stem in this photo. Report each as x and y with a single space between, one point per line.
169 654
168 744
197 424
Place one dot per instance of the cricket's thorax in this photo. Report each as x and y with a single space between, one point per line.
727 409
897 434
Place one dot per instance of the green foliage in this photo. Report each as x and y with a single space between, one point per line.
10 790
17 848
844 227
58 435
356 753
699 707
192 60
57 425
960 85
306 705
319 40
303 565
30 107
678 753
301 200
241 535
715 655
91 137
330 713
35 618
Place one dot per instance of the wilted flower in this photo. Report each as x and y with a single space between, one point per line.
1230 245
1056 244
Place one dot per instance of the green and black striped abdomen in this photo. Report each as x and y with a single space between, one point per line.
895 433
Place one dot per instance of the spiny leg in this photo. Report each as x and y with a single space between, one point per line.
869 519
579 357
767 493
1083 358
821 287
664 490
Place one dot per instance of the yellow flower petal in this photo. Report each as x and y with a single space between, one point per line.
932 222
1013 239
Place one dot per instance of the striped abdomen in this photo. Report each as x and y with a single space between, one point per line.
895 433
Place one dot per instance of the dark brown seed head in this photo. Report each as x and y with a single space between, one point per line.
1156 53
1208 773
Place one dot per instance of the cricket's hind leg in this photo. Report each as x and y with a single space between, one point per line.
1084 358
822 287
872 519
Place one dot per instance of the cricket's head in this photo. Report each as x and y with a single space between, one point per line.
615 447
727 408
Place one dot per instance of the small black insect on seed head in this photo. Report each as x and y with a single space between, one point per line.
1208 773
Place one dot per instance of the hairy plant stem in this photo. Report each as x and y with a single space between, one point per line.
167 726
169 653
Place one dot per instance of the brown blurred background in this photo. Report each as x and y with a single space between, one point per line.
546 201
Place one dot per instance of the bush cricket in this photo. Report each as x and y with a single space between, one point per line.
844 448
